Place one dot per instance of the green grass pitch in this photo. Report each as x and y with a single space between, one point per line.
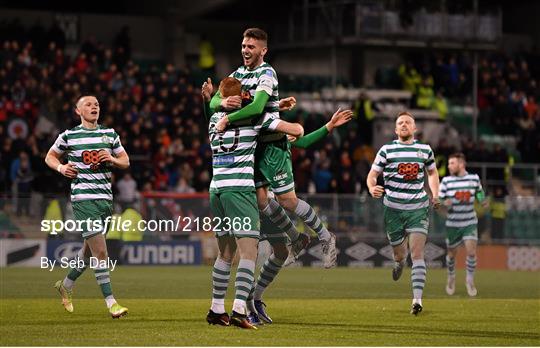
310 307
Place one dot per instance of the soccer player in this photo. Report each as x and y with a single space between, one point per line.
276 233
234 203
273 167
406 204
91 152
458 192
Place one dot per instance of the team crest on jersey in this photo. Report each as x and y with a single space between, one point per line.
419 154
106 140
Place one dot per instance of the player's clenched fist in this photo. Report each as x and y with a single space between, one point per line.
287 103
376 191
105 156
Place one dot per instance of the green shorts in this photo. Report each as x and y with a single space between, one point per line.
272 233
399 223
235 214
95 210
456 235
273 167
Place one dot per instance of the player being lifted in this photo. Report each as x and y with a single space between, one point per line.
91 152
406 204
276 234
273 167
458 192
233 199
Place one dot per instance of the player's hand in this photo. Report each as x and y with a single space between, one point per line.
69 170
376 191
291 138
232 102
222 124
339 118
287 104
436 202
105 157
207 90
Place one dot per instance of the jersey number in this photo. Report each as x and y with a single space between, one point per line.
91 158
409 170
463 196
222 146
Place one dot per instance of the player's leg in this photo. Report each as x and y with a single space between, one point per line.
470 247
304 211
270 208
65 287
416 225
397 237
417 241
221 271
454 238
451 270
267 275
241 208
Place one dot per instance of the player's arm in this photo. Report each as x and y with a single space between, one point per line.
119 160
217 103
481 196
433 182
206 91
376 191
52 159
255 108
339 118
293 129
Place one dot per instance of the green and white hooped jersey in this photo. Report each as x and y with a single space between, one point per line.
403 167
262 78
233 152
82 146
462 190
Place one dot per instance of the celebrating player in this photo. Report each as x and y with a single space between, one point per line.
234 203
276 233
458 192
91 152
406 204
273 167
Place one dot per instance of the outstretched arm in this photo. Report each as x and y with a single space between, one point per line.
339 118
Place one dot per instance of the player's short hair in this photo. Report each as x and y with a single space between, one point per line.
256 33
404 113
230 86
83 96
459 155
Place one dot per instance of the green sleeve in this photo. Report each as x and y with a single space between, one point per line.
255 108
311 138
215 103
480 196
206 111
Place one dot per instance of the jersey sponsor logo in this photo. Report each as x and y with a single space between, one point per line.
280 176
409 170
463 196
223 160
91 158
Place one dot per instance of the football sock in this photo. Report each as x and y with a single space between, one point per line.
243 284
418 278
471 266
307 214
220 281
269 271
104 281
451 266
279 217
75 272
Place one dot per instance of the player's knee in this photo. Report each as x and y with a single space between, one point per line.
226 256
289 203
101 254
